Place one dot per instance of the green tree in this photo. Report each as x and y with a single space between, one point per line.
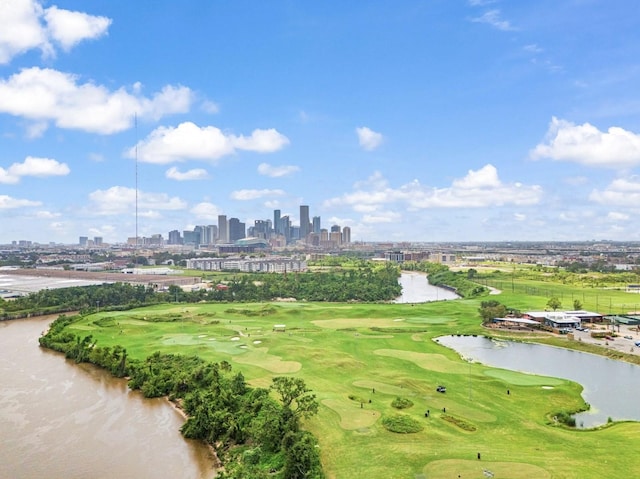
554 303
295 396
577 304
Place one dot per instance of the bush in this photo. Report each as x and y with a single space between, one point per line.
402 403
401 424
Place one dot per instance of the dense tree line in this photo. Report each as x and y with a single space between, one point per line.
105 296
256 431
440 275
366 283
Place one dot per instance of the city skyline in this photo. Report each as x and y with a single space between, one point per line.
468 120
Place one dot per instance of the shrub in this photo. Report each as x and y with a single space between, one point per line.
402 403
401 424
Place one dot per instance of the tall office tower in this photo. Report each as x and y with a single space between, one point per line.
211 234
285 228
304 221
236 230
97 240
84 240
316 225
335 237
191 238
277 227
346 235
261 229
175 237
223 229
324 234
335 229
201 234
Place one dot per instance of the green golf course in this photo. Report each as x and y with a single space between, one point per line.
360 358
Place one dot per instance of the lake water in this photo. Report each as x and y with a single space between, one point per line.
416 289
59 419
611 387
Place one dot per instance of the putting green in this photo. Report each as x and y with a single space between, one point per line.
342 323
522 379
384 388
481 469
351 415
430 361
259 357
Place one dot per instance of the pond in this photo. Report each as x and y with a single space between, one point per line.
416 289
611 387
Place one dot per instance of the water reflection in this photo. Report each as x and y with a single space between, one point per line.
610 387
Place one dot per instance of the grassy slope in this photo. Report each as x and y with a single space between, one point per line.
334 348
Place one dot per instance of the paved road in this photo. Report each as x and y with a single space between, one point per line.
619 343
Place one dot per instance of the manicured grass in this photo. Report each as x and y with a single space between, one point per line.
376 353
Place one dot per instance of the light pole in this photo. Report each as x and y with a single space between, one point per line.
97 306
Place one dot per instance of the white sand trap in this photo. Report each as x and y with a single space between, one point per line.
235 338
399 319
243 347
257 342
547 387
212 339
202 336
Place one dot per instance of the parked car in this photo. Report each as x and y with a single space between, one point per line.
628 337
638 343
609 338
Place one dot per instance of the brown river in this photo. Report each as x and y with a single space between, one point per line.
61 420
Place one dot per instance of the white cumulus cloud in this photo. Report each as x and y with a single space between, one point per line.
31 166
244 195
586 145
122 200
206 211
42 95
7 202
190 141
69 28
368 139
194 174
481 188
277 171
620 192
26 25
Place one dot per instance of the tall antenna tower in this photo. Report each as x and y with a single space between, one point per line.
135 247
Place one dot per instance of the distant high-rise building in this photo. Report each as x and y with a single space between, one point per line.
346 235
261 229
84 240
201 233
335 229
211 233
285 228
277 227
97 240
236 230
316 225
191 237
175 237
304 221
223 229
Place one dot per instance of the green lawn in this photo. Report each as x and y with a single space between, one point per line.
358 358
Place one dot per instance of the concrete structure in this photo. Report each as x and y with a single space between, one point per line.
251 265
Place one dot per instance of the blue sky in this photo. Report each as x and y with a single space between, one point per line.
440 120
